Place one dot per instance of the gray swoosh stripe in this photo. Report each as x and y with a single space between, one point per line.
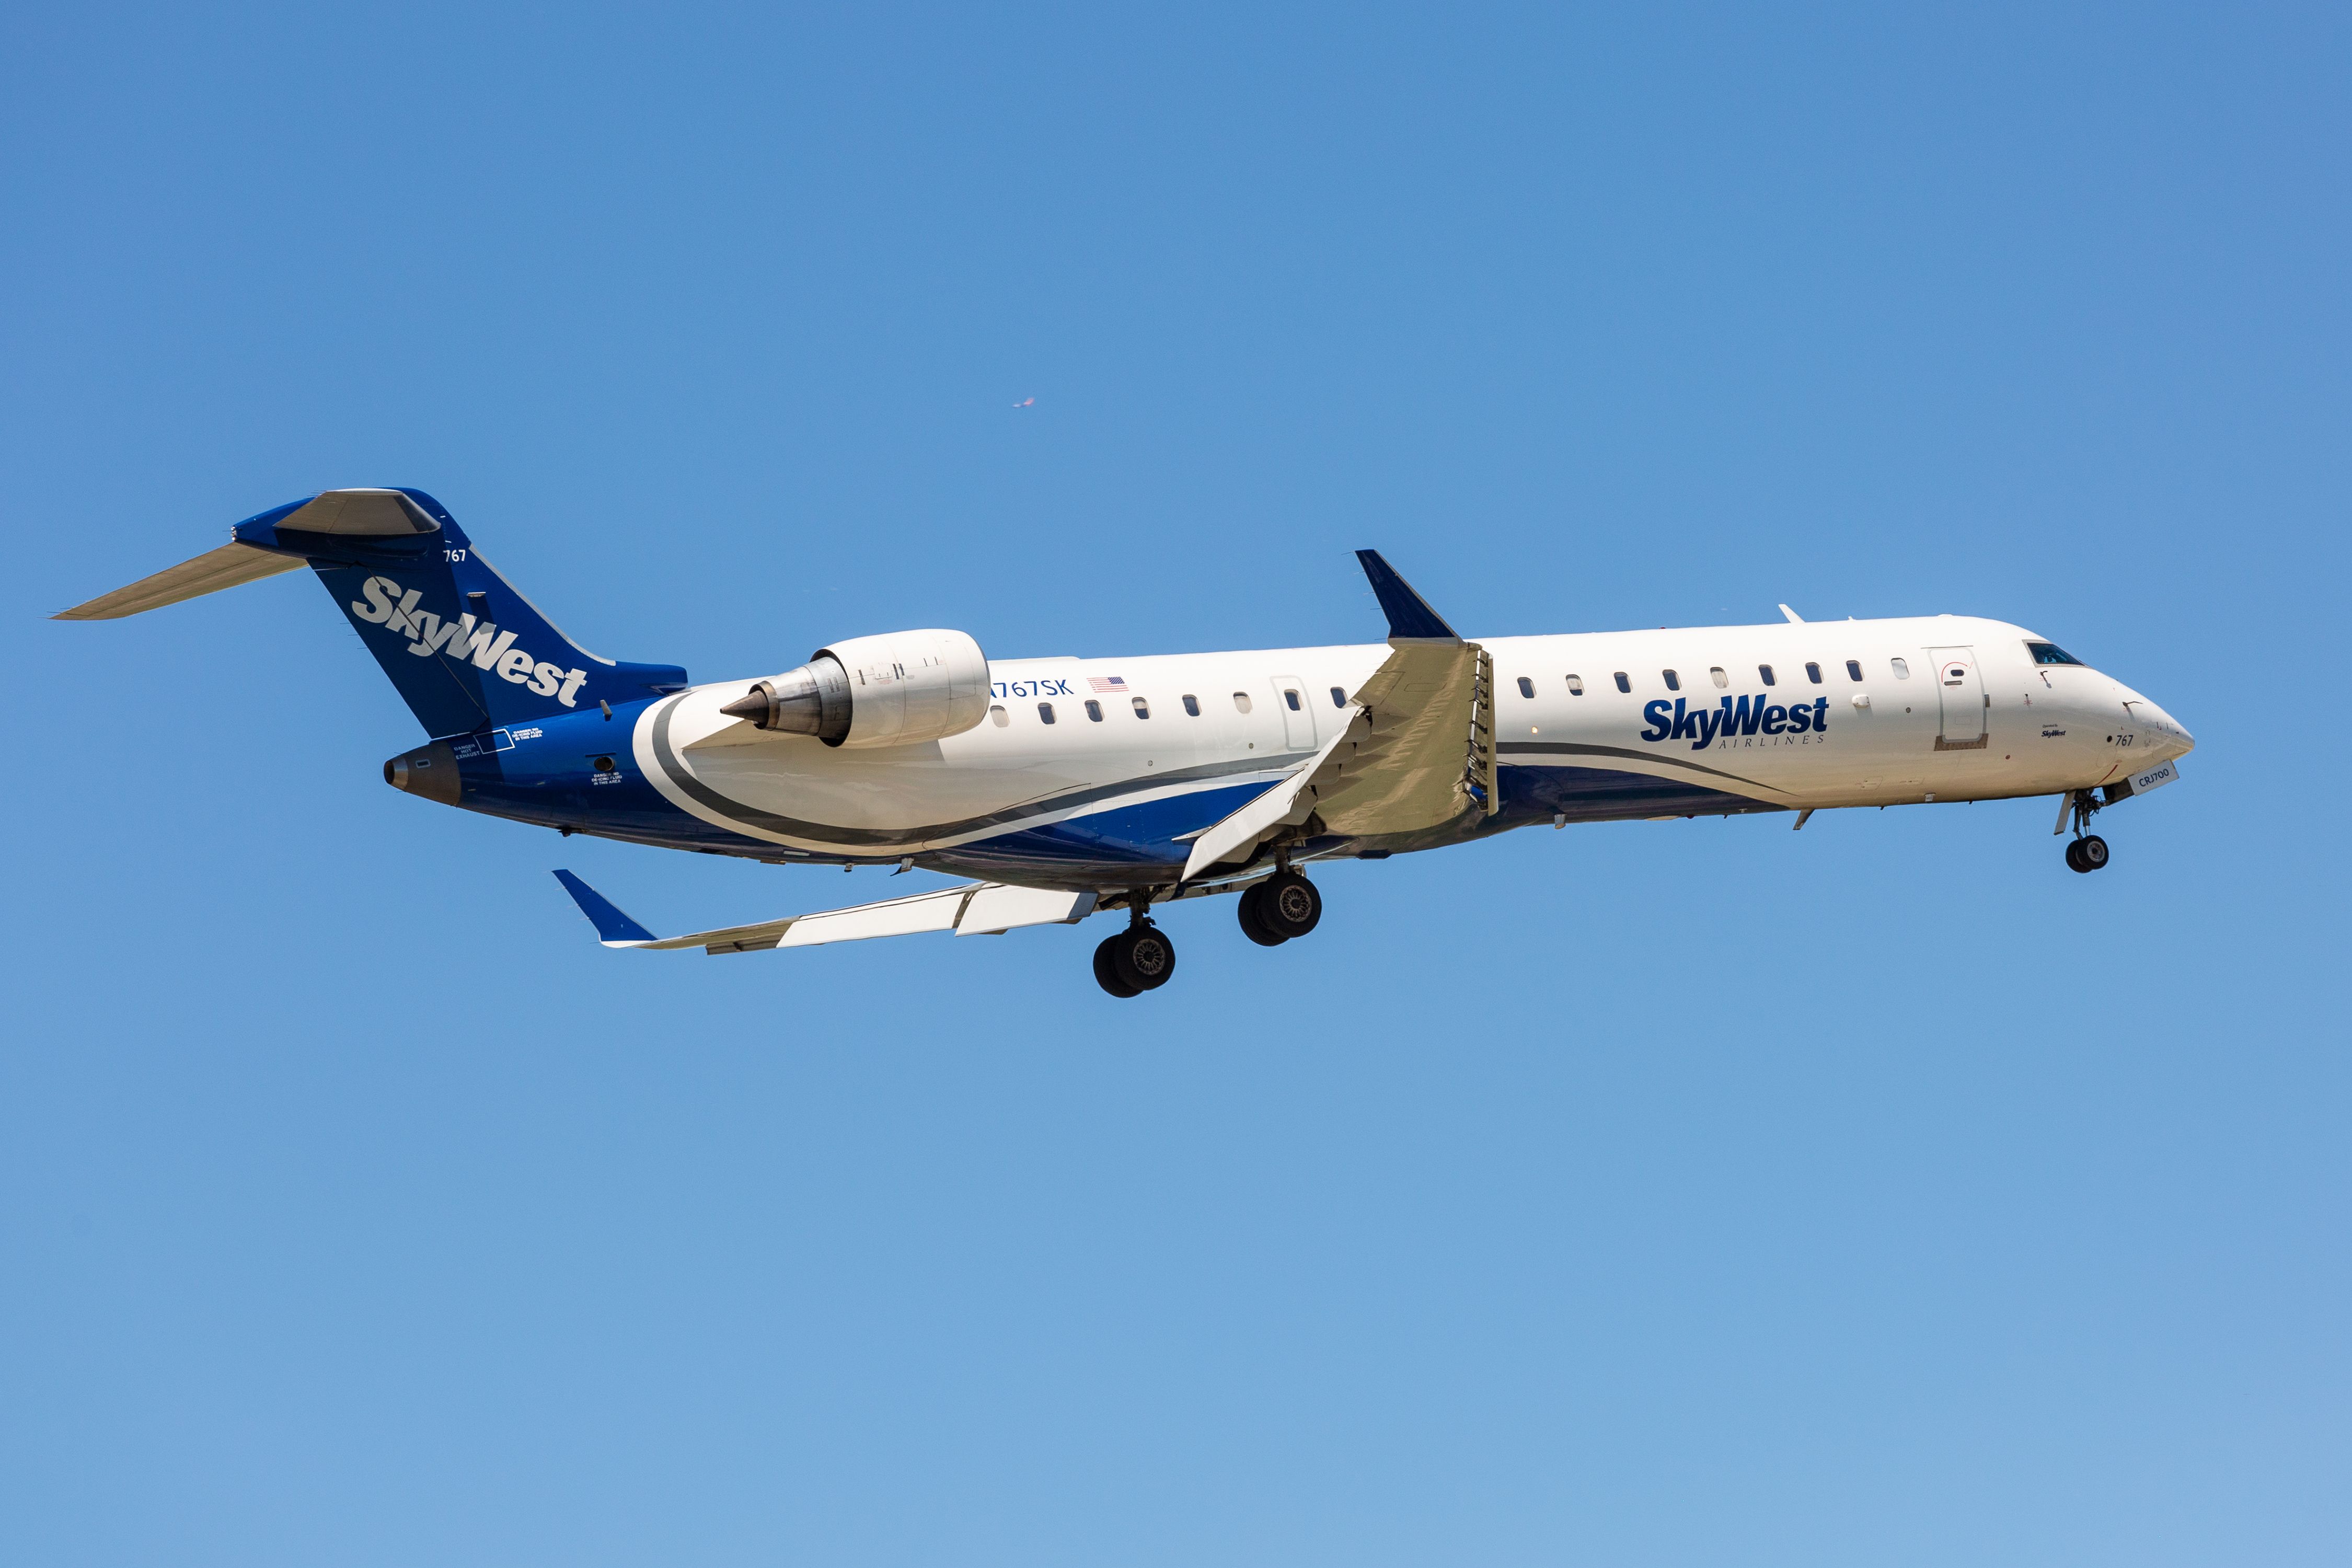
1525 746
894 837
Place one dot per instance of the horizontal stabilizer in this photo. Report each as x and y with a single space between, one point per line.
207 573
972 909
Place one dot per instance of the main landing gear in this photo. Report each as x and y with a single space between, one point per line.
2087 851
1141 958
1136 960
1283 906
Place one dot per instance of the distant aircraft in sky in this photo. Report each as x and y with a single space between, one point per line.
1025 403
1066 787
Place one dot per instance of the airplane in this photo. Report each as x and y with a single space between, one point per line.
1067 788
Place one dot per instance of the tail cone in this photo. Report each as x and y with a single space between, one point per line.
430 771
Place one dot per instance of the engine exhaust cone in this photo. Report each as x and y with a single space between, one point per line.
753 707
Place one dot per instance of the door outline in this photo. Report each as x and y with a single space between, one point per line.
1298 723
1964 707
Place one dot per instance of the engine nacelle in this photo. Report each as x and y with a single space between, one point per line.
890 690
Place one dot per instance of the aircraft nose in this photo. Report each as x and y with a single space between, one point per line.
2174 739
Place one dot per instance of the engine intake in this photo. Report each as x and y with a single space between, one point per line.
896 690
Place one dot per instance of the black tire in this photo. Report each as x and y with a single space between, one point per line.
1107 969
1288 905
1143 957
1252 917
2075 855
2090 852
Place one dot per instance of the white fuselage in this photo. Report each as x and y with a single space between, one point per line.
1928 709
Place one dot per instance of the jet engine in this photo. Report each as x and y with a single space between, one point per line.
888 690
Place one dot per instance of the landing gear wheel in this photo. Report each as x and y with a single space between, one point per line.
2087 854
1288 905
1142 956
1107 969
1253 913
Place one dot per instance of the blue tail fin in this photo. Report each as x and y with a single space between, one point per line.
465 649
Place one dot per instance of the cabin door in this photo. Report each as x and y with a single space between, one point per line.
1297 713
1961 686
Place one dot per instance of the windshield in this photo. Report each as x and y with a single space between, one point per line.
2049 653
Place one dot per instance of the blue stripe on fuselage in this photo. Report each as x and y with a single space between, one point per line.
1112 844
550 780
1604 794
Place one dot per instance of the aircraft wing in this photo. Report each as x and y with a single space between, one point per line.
1417 750
971 909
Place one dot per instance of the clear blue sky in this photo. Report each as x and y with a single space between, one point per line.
1682 1194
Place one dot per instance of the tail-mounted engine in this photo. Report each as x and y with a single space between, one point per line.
889 690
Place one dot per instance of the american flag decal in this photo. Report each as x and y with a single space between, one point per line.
1113 683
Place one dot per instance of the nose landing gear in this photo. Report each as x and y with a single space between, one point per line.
2088 851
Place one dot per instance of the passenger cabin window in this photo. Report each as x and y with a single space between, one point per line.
1292 697
1191 705
1853 668
1142 709
1339 697
2049 653
1765 671
1673 682
1576 686
1902 670
1241 703
1717 675
1045 712
1094 709
999 717
1527 687
1623 684
1813 673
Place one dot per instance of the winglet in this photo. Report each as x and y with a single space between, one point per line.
614 929
1410 617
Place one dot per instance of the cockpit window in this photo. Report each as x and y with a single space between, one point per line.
2049 653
